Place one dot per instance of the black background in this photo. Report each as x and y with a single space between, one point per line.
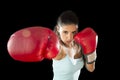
26 14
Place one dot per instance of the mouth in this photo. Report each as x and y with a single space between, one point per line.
69 41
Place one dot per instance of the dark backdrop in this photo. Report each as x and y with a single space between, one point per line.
20 15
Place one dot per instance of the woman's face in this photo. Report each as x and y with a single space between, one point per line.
67 33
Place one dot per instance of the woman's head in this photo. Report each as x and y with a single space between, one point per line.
67 26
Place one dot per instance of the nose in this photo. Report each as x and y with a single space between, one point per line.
70 37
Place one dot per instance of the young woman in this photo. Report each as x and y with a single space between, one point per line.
68 59
68 63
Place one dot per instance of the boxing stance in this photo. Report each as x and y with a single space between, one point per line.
69 49
76 48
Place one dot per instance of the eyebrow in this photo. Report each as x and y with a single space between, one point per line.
74 31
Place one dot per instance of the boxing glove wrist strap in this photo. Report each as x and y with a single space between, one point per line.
90 58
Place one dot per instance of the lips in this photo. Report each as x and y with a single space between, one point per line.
69 41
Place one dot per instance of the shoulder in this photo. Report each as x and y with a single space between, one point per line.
61 54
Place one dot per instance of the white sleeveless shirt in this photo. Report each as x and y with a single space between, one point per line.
64 69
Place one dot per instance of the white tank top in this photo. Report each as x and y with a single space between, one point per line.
64 69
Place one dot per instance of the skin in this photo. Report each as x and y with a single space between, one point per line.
67 33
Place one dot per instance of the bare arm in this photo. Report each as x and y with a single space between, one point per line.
90 67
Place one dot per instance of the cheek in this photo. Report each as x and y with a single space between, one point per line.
62 36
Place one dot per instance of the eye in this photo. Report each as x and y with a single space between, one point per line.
74 32
65 32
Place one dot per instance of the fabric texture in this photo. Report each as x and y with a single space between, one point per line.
64 69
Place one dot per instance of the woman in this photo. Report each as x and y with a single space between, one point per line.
68 63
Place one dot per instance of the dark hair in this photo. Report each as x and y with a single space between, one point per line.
66 18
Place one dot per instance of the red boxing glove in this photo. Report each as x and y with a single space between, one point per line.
87 38
33 44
